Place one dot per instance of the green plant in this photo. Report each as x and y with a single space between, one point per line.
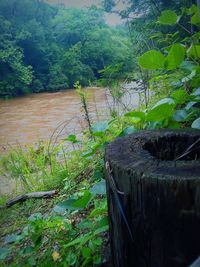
83 99
72 232
175 67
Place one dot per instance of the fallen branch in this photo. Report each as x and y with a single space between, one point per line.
24 197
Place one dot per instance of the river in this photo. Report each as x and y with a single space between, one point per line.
25 120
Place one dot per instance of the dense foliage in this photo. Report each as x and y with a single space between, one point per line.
71 232
48 48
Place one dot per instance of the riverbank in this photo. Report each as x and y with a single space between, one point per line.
80 201
25 120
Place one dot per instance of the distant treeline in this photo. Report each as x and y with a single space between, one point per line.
48 48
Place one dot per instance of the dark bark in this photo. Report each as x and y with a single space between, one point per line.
161 199
24 197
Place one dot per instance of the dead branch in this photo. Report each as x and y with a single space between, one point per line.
32 195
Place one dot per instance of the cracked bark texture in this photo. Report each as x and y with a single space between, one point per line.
161 199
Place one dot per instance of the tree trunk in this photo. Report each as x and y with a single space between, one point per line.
155 214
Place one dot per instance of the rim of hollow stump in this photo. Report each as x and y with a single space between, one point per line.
133 154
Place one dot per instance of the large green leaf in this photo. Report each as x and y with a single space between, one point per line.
175 56
190 105
152 60
81 240
65 205
168 17
98 211
195 19
180 115
99 128
172 124
4 253
12 238
195 97
86 252
83 201
194 51
136 114
128 130
196 124
196 92
164 109
187 65
99 188
180 96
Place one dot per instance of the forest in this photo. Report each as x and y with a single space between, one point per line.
49 48
91 198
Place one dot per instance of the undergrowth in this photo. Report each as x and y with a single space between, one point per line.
71 230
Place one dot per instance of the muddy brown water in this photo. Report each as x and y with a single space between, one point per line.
25 120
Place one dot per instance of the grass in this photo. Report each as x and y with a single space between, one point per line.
70 229
73 173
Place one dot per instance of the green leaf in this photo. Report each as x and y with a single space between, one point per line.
195 19
189 77
164 109
97 259
35 217
180 115
85 224
72 138
190 105
87 153
100 230
152 60
99 128
173 124
175 56
86 252
180 96
136 114
65 205
97 175
95 243
194 51
28 250
11 238
154 125
192 9
196 92
187 65
99 188
168 100
71 258
128 130
103 222
81 240
4 253
98 211
98 241
32 261
83 201
196 124
168 17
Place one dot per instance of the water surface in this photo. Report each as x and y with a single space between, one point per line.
25 120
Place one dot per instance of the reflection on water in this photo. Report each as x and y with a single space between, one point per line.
24 120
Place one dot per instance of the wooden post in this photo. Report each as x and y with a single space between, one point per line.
155 197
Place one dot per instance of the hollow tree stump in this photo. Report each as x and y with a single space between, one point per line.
161 200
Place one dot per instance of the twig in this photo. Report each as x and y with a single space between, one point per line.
190 149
